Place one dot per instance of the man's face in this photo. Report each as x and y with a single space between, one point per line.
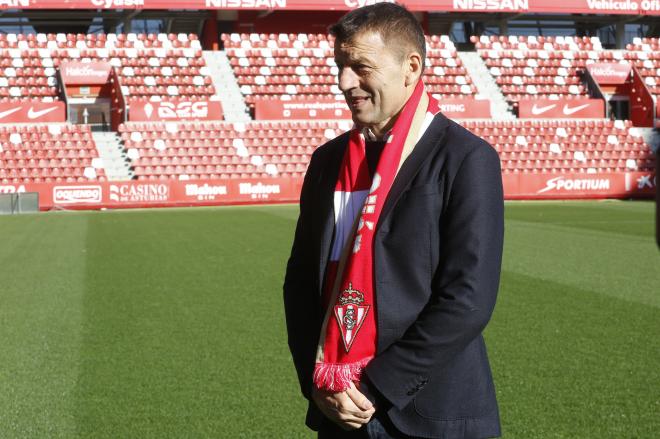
373 80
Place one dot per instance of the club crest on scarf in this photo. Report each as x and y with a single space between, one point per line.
350 314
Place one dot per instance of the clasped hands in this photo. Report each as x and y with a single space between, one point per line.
349 409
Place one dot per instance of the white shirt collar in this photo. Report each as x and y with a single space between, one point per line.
369 135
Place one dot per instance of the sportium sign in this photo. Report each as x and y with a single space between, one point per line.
561 108
458 108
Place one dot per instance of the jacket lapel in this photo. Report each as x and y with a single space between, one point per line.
434 134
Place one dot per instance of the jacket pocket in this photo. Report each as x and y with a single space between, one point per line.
462 390
424 189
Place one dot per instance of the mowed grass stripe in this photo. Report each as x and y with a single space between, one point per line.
589 368
571 363
184 334
611 216
42 261
582 251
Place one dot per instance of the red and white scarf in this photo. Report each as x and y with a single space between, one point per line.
348 335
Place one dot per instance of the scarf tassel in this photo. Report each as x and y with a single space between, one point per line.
337 377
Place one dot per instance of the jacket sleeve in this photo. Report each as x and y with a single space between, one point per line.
301 301
464 287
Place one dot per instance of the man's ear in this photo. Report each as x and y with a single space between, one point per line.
413 68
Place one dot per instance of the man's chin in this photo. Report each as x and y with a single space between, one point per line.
360 120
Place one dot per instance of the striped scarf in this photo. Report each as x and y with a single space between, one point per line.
348 335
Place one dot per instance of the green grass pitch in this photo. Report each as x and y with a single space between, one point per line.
168 323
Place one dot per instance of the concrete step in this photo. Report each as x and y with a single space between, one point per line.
226 85
486 85
112 153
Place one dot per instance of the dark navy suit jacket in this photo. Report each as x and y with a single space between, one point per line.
437 256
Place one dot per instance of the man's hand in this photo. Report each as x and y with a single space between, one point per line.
349 409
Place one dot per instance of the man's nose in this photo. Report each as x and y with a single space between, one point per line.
347 79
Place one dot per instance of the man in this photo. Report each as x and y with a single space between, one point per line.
396 259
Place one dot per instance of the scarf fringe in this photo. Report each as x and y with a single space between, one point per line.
337 377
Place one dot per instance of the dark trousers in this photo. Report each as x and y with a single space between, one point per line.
379 427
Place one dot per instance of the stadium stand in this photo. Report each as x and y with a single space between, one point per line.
220 150
576 146
282 148
301 66
170 67
548 67
155 66
48 153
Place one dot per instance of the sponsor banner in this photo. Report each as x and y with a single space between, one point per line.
164 193
301 109
161 193
465 108
561 108
32 112
337 109
13 188
174 110
86 194
89 73
627 7
610 73
138 192
206 191
579 186
235 191
632 7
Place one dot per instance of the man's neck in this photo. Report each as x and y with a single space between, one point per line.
371 135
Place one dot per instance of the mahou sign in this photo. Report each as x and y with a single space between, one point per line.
90 73
174 110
